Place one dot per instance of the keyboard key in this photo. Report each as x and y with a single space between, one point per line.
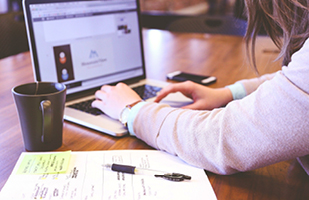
144 91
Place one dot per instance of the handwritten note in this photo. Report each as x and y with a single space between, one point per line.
85 177
57 162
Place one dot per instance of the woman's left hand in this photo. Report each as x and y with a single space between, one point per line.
112 99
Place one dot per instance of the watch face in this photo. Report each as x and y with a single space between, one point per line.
124 115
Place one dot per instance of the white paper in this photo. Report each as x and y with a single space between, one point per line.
87 179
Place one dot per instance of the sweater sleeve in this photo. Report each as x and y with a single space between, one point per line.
268 126
242 88
251 85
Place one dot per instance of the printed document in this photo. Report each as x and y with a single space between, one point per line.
81 175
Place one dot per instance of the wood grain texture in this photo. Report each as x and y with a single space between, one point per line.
217 55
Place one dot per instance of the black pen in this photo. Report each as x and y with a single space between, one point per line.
142 171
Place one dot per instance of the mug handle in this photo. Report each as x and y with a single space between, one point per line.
46 119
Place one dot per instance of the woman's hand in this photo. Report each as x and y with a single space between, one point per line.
112 99
204 98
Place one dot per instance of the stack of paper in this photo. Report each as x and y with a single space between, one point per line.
81 175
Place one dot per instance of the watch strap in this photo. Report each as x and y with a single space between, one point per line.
129 106
133 104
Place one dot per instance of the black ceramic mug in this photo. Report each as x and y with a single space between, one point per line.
40 106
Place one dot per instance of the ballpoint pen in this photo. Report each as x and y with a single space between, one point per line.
142 171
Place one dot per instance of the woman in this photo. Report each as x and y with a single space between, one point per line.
265 119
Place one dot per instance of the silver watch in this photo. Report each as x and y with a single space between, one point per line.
124 115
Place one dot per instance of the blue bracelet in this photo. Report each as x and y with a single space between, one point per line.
238 90
132 116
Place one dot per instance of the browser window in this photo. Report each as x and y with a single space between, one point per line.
87 43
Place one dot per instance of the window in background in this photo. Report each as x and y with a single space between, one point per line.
4 6
175 6
190 7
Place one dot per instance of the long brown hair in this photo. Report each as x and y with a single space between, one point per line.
285 21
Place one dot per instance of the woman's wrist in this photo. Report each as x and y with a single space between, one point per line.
124 114
134 111
227 96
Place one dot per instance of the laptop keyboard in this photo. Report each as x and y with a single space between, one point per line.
86 107
147 91
144 91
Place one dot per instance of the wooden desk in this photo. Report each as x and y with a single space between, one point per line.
221 56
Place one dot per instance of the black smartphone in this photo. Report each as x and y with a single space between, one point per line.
183 76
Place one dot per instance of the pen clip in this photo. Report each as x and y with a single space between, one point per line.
174 177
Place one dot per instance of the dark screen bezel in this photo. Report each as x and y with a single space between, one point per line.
32 45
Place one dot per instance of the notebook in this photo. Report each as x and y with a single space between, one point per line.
86 44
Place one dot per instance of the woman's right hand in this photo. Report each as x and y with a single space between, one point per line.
204 98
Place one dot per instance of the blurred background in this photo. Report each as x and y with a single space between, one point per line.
201 16
175 6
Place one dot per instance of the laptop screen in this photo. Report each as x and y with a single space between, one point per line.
85 44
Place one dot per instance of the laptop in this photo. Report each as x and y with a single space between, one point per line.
86 44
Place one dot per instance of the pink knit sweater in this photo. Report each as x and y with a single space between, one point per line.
269 125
